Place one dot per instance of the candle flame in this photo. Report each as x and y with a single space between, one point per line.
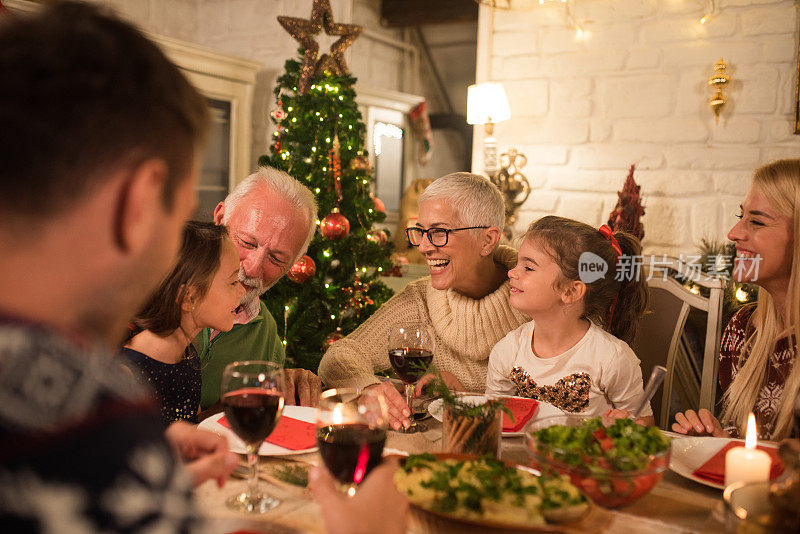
751 436
337 416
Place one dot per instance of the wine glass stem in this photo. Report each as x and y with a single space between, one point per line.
252 477
409 400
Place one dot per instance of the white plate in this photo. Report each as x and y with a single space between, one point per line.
435 409
689 453
303 413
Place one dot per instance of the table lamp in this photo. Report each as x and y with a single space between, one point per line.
487 104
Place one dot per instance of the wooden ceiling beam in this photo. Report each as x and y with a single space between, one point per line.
403 13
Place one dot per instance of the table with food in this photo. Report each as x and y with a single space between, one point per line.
546 471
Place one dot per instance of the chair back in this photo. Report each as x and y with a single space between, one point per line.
660 339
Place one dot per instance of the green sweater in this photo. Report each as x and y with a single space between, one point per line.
256 340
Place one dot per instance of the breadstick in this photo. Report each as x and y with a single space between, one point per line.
457 426
470 428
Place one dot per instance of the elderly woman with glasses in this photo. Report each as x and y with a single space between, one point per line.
464 300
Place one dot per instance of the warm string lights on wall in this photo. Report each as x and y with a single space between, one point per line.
712 10
571 20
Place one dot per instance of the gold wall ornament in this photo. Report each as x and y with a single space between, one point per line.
718 81
513 185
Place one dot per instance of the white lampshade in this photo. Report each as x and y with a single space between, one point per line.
487 102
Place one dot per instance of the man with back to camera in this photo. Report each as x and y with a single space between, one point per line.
99 135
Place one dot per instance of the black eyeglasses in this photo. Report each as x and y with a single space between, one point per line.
437 236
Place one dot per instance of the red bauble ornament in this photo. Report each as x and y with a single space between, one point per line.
378 236
302 270
333 337
379 205
335 226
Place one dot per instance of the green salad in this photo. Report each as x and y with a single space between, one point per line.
623 446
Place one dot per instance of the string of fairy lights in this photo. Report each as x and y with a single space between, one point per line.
710 10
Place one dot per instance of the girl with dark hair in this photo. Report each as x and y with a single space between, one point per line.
202 291
585 307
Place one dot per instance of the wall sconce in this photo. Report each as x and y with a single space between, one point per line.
718 81
487 104
514 186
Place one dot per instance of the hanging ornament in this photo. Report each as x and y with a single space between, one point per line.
361 163
335 225
333 337
358 294
335 165
718 81
379 205
378 236
304 30
302 270
278 114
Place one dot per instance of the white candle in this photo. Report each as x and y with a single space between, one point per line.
747 463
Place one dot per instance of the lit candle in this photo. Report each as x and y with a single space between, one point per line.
747 463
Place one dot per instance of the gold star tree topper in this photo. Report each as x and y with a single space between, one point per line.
304 30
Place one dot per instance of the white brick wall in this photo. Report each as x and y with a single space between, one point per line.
634 91
249 29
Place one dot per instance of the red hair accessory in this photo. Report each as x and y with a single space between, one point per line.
608 233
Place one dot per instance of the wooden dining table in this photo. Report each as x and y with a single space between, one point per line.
674 505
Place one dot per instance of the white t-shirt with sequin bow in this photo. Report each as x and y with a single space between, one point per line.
599 372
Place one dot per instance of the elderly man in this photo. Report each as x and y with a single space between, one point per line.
98 149
271 218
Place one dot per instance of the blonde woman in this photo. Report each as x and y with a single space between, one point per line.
757 367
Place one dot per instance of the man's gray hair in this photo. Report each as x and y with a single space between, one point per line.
299 197
475 200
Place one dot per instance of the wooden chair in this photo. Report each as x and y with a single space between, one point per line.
661 338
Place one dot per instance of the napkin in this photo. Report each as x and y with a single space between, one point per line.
290 433
522 410
714 469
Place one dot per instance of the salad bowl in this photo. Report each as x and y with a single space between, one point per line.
613 465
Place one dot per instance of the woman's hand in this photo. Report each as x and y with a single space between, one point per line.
205 454
376 507
611 415
702 423
399 412
449 379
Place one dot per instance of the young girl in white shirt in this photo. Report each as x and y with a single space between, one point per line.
574 353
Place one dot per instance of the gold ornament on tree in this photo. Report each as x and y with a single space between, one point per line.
718 81
304 30
357 293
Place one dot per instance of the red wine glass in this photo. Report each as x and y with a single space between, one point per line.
351 432
411 349
253 397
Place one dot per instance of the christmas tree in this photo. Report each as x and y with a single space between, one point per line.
319 140
627 214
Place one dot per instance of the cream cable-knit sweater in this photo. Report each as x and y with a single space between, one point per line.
466 329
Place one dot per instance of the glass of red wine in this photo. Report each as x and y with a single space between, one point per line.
351 432
411 353
252 395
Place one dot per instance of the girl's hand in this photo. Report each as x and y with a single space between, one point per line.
702 423
450 381
611 415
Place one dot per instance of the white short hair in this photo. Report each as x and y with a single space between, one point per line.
475 200
296 194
